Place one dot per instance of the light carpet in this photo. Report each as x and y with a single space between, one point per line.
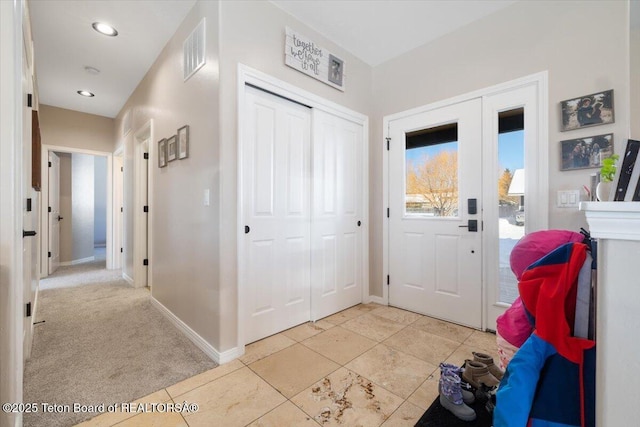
102 342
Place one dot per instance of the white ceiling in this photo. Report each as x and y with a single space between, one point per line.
65 43
374 31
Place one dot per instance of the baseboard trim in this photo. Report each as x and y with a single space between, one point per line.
77 261
201 343
377 300
126 277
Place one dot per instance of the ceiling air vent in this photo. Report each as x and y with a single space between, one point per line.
193 51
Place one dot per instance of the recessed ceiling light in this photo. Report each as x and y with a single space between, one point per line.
105 29
91 70
86 93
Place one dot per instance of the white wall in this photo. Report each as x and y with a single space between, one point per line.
634 53
67 128
66 232
184 257
82 205
253 33
522 39
100 202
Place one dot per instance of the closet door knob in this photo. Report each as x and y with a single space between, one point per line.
247 229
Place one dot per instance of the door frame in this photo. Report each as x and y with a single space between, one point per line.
11 208
44 214
538 186
251 76
118 202
144 133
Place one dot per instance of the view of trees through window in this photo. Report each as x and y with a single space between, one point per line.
431 160
432 180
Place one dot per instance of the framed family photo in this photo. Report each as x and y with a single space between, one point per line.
582 153
162 153
183 142
588 110
172 149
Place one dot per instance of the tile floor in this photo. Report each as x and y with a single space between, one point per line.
367 366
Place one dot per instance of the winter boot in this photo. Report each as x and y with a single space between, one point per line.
467 395
488 360
477 373
451 397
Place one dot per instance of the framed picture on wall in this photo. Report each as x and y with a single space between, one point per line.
172 149
183 142
588 110
162 153
582 153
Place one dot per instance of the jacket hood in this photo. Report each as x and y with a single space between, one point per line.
548 289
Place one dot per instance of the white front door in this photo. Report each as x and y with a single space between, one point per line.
277 214
435 178
336 263
54 214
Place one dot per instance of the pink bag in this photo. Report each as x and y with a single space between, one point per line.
514 325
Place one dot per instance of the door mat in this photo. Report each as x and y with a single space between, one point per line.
438 416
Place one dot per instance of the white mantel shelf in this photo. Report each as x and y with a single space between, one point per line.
613 220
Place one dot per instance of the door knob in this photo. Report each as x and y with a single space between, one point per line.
28 233
472 225
60 218
359 223
247 229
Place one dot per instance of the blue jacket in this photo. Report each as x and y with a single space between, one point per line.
550 381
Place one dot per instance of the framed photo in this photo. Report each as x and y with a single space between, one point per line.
183 142
172 149
582 153
162 153
589 110
336 68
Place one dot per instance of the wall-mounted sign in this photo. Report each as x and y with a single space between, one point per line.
305 56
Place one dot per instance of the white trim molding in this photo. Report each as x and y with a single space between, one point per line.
613 220
215 355
11 207
44 225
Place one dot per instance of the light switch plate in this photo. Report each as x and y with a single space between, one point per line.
568 198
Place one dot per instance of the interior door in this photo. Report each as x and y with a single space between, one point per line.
336 263
54 214
276 207
435 216
30 207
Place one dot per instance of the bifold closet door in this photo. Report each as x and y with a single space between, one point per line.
276 205
336 252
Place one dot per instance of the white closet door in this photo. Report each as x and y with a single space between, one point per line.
336 253
276 197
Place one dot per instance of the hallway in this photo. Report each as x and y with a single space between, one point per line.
101 341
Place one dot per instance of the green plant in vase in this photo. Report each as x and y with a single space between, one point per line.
607 173
608 169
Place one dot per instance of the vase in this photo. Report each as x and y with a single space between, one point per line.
603 191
